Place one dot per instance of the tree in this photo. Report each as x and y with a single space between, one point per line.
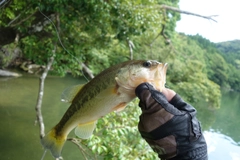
89 29
86 32
97 34
222 61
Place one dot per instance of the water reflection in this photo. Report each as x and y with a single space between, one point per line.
221 147
221 127
19 137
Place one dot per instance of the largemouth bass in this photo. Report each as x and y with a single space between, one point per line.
109 91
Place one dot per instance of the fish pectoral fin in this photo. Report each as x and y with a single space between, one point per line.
120 107
84 131
70 92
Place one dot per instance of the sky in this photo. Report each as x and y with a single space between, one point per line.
227 26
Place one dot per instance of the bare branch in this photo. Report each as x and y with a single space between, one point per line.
40 96
166 7
87 70
77 142
14 19
161 33
131 46
41 89
189 13
4 3
20 22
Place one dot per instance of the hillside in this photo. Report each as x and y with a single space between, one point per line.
223 61
230 50
229 46
102 38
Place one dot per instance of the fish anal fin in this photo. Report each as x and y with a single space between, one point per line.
70 92
120 107
84 131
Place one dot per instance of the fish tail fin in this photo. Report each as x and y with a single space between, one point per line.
54 143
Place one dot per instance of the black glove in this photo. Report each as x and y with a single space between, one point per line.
170 128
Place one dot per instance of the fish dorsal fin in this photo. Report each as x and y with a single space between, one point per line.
84 131
70 92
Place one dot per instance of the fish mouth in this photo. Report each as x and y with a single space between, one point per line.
156 77
160 76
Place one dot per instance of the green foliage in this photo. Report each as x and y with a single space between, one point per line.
222 62
97 33
117 136
231 53
188 71
234 78
217 68
229 47
94 32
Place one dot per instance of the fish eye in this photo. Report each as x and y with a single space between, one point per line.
147 64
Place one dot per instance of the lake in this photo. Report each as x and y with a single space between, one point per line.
19 136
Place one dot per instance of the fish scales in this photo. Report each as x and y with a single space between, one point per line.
109 91
89 91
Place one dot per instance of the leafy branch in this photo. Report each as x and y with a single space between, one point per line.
165 7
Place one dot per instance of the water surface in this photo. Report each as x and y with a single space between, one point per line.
19 136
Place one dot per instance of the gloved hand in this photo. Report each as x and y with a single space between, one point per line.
169 125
